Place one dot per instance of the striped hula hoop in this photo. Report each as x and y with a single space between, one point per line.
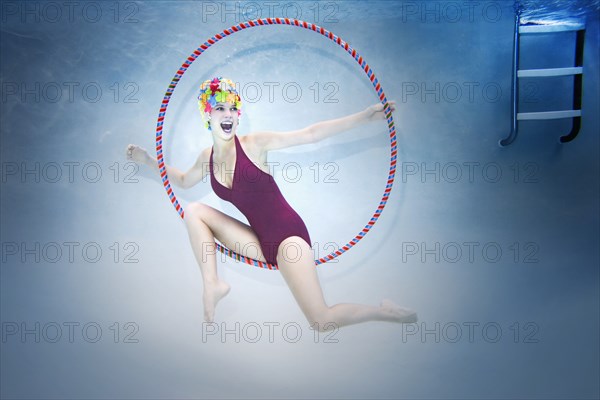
300 24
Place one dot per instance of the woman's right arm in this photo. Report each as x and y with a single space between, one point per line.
181 179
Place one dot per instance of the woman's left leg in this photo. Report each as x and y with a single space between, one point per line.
296 264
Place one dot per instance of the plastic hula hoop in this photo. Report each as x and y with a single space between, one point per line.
378 89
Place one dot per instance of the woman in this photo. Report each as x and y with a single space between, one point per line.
239 174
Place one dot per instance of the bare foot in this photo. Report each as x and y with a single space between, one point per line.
212 294
397 313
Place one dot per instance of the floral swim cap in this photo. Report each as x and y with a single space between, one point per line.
216 90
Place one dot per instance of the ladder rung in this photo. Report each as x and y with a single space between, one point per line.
529 73
550 28
549 114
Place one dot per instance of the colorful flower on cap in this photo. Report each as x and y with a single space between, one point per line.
217 90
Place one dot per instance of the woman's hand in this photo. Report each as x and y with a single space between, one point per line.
376 111
137 154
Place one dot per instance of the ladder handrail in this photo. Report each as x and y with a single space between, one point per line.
515 87
577 88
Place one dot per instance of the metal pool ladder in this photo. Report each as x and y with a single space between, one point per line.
576 71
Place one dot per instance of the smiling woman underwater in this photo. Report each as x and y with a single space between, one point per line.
273 222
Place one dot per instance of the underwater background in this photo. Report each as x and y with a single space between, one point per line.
496 248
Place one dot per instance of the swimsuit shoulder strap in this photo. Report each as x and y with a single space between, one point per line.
240 151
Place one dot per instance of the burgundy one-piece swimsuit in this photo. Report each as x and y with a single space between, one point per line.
256 194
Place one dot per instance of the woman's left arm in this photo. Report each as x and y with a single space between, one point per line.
320 130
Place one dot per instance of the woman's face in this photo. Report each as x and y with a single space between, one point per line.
224 119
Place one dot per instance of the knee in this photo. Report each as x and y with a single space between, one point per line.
196 210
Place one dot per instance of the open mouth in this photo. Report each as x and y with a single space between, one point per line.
227 126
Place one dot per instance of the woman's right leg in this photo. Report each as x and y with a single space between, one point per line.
299 272
204 224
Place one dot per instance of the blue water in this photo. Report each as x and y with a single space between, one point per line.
496 248
556 10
